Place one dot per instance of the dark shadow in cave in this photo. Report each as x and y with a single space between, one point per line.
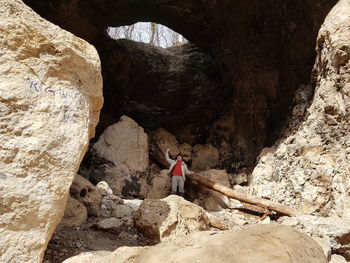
171 88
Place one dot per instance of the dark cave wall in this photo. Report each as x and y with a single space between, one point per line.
159 87
264 49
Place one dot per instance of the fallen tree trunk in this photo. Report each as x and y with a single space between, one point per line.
257 201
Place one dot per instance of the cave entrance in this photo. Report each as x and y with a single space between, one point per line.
179 88
171 88
149 33
261 51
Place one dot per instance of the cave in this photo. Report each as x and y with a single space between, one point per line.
231 86
233 83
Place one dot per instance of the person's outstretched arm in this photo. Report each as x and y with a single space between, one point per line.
167 157
188 171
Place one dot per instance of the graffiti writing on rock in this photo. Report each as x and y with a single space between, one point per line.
69 101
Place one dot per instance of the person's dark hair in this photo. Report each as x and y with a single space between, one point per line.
179 154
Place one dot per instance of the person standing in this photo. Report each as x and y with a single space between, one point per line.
178 170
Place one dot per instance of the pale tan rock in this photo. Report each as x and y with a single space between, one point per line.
112 224
170 217
121 211
109 204
85 192
271 243
186 151
124 143
232 218
160 186
133 204
75 214
309 169
267 220
50 99
325 244
204 157
337 259
104 188
123 254
337 230
218 224
161 140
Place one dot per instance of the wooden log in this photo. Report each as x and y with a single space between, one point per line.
257 201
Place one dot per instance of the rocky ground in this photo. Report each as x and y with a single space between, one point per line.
72 241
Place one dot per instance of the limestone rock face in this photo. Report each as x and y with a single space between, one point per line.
124 143
271 243
309 168
337 230
50 98
170 217
204 157
75 214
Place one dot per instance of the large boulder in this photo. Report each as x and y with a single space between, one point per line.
204 157
271 243
120 158
309 168
336 230
170 217
124 143
50 98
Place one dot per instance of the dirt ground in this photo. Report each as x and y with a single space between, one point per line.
68 242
